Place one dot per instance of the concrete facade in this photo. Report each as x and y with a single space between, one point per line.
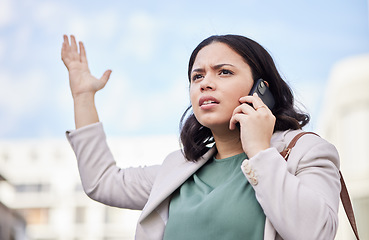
345 123
12 224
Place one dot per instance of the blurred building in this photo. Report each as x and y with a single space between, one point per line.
345 123
12 224
48 194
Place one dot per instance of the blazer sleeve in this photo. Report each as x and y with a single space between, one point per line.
101 178
299 197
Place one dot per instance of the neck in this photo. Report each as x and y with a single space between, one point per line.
228 144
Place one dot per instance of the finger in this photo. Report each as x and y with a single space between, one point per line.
234 120
240 112
66 40
65 45
64 53
255 100
65 50
73 43
246 99
82 53
105 77
258 102
244 109
260 107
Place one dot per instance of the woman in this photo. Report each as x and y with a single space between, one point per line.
239 188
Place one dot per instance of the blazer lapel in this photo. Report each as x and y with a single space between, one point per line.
175 172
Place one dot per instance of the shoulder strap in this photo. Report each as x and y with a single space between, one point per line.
346 202
345 197
286 152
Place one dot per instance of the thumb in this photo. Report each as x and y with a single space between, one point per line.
105 77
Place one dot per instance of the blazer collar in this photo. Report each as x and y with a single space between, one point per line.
171 178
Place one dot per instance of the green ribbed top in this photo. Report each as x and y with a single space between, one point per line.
217 202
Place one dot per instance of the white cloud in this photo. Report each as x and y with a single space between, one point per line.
114 96
64 98
49 15
46 11
308 96
79 26
174 98
130 110
7 13
102 26
20 95
22 41
141 37
106 24
2 49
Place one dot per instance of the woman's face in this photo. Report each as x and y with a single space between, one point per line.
219 78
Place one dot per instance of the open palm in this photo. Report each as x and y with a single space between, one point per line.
80 78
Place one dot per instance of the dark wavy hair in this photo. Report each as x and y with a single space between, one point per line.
196 138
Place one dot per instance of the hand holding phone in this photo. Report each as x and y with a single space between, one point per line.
257 126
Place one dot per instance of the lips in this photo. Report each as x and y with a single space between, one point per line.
207 100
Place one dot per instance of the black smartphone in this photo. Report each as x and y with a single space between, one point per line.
261 88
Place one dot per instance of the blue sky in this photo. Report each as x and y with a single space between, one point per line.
147 45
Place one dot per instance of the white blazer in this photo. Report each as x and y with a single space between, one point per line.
300 198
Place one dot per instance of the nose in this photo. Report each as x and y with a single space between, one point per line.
207 84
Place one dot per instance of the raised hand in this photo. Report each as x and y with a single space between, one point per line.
82 84
80 78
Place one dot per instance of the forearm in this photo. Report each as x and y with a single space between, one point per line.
85 112
302 206
101 178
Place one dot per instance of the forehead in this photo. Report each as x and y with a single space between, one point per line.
218 53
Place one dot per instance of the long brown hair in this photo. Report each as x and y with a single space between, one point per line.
195 138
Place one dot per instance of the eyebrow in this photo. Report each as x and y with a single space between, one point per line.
215 67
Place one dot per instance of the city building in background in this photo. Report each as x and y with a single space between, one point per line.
345 123
12 224
48 194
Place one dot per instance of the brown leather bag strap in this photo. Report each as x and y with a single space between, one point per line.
285 153
346 202
345 197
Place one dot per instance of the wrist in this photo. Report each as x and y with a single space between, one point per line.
255 150
83 97
85 112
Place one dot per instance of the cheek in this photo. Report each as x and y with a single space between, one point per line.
234 99
243 90
228 110
192 94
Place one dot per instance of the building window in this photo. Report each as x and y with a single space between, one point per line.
32 188
33 155
35 216
5 156
78 188
80 215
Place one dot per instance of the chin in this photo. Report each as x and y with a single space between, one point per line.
212 125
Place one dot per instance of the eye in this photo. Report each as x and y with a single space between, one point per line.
196 77
225 72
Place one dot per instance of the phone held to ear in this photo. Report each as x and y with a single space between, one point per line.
261 88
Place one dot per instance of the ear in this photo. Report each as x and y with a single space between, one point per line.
266 83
